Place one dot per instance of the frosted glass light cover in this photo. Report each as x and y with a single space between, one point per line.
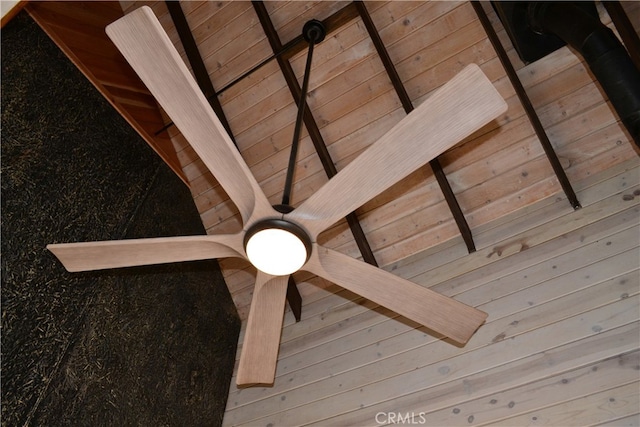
275 251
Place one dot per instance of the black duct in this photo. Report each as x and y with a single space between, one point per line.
576 24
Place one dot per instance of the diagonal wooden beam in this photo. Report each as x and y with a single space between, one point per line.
310 123
625 29
401 91
527 105
298 44
196 62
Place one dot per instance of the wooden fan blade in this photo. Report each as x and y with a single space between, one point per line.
145 45
437 312
459 108
88 256
264 328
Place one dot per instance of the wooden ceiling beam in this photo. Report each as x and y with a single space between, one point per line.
527 105
625 29
197 63
407 104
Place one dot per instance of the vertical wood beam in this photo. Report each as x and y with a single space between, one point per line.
310 124
294 299
526 104
401 91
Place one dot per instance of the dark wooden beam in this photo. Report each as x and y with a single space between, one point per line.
526 104
298 44
294 299
625 29
401 91
204 82
196 62
310 124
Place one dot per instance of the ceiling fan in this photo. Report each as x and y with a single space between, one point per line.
279 242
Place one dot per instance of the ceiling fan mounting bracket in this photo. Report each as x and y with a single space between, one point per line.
283 208
314 31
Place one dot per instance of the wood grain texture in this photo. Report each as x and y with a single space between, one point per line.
561 291
441 314
88 256
354 105
461 107
262 337
144 43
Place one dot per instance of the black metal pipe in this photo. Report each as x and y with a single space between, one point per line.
285 49
602 51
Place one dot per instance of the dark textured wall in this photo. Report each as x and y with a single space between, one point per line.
140 346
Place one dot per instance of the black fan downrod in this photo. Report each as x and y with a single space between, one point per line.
313 32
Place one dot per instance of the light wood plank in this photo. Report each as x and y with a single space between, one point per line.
517 372
368 333
604 407
541 315
375 390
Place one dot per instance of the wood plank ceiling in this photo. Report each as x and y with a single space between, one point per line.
499 170
352 101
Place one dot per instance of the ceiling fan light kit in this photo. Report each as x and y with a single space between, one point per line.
279 233
277 247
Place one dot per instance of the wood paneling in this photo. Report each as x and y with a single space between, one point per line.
561 291
497 171
78 29
339 366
